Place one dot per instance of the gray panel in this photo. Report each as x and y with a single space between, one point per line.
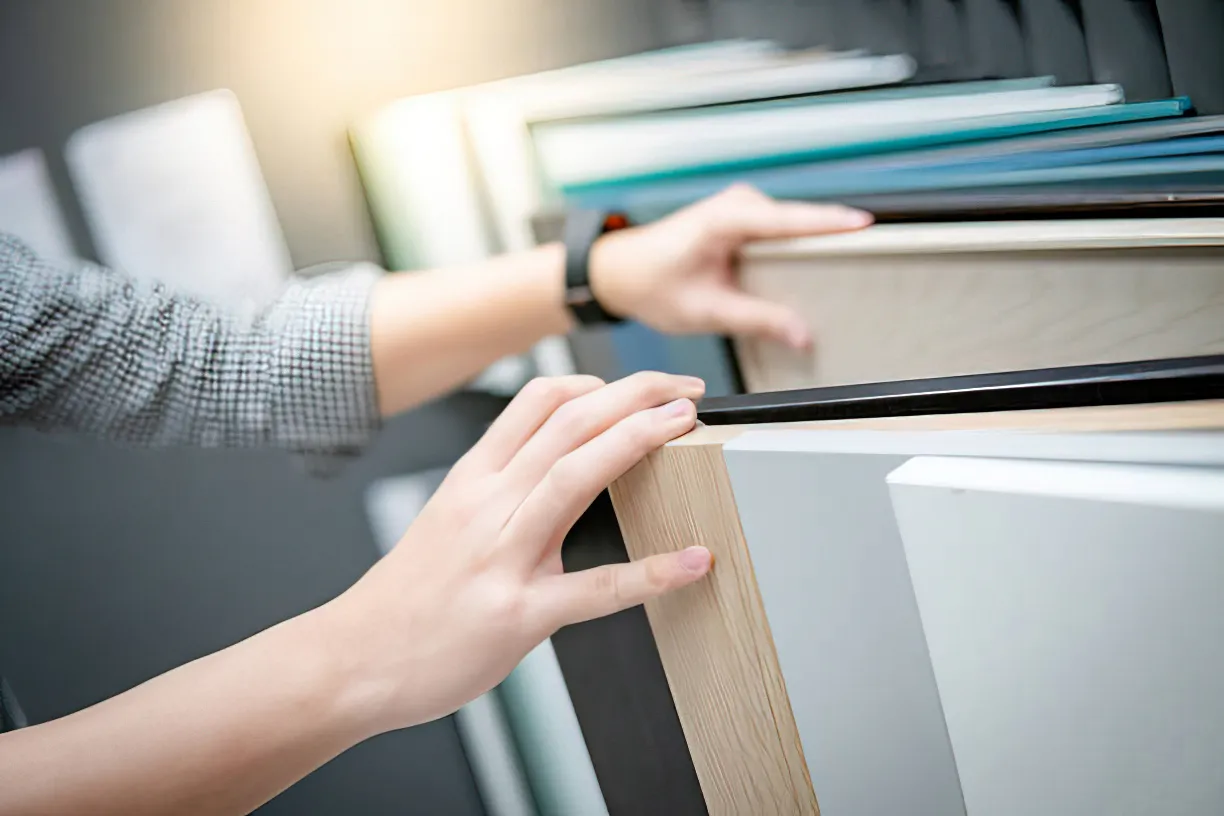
1073 613
830 566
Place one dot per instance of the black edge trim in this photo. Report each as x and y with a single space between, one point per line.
1176 380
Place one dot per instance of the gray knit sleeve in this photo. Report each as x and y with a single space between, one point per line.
88 349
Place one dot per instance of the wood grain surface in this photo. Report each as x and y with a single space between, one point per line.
903 302
713 637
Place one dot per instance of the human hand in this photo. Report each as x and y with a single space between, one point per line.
477 581
679 274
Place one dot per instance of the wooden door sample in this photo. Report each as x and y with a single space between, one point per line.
726 663
903 301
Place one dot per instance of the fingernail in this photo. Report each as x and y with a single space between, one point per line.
798 336
695 382
696 559
858 218
678 408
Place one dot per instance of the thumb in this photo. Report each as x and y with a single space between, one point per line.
734 312
601 591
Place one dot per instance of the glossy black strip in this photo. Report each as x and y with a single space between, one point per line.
1177 380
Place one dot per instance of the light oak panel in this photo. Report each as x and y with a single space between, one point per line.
714 639
901 302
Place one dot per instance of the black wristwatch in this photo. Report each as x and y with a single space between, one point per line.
582 229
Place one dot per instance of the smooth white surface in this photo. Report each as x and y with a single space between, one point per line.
174 193
28 207
588 151
1075 622
1000 236
1169 448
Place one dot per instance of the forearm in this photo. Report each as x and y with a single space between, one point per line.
432 331
220 735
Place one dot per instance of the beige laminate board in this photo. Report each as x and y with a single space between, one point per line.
899 302
713 637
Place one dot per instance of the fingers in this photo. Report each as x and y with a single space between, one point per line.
582 419
745 214
531 407
602 591
733 312
574 481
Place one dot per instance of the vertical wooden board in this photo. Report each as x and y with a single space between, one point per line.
1073 615
713 637
831 570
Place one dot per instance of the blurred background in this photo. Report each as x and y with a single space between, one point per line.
224 145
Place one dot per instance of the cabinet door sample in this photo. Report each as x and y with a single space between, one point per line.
802 650
1007 296
1073 616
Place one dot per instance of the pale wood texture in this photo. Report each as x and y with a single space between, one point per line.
905 301
713 637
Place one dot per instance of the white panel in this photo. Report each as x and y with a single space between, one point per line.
28 208
1167 448
1075 622
174 194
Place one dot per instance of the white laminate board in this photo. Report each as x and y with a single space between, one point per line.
1000 236
28 206
174 194
1076 629
1162 448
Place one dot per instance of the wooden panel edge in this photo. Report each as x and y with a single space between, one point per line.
713 637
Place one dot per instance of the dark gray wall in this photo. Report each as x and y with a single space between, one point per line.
303 71
118 564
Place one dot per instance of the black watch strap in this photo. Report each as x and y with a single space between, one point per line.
582 229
